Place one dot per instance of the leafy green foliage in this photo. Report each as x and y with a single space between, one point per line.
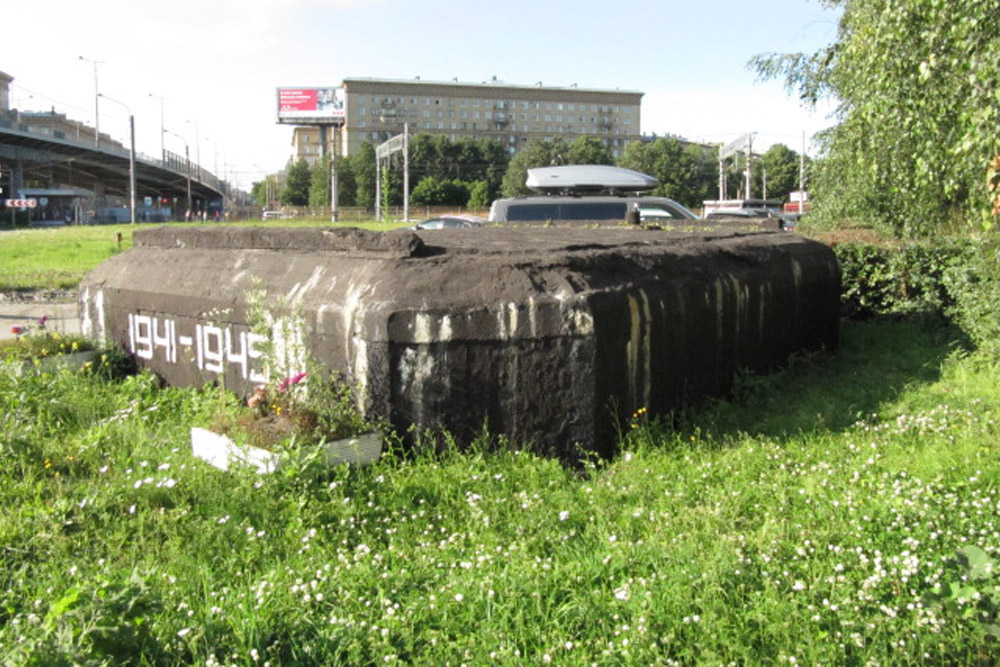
899 278
589 150
432 191
971 590
686 172
827 518
319 183
957 280
780 165
919 116
363 168
297 179
535 153
974 287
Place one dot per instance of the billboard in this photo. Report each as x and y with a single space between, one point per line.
305 105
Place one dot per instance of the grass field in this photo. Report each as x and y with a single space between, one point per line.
58 258
833 514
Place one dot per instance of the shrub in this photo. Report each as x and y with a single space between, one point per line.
899 279
958 280
973 286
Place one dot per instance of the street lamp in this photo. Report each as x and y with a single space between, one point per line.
97 115
197 145
131 154
187 159
163 149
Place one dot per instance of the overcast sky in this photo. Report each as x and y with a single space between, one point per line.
212 66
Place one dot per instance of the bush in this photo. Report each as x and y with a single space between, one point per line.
898 279
973 286
958 280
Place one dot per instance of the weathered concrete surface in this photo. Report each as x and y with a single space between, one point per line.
549 336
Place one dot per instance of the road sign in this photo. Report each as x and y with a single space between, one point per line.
21 203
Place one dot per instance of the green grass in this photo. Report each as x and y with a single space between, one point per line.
59 258
817 519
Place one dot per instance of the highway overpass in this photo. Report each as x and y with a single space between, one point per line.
73 180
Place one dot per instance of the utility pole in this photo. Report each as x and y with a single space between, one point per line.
802 170
97 94
131 154
406 172
163 149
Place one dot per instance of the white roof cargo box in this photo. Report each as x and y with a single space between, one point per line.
588 178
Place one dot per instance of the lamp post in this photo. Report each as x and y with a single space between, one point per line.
187 160
163 149
197 145
131 154
97 94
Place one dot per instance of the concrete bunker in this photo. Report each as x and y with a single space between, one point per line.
551 337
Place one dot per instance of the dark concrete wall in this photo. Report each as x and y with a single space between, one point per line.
549 336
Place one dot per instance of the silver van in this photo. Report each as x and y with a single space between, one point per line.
600 207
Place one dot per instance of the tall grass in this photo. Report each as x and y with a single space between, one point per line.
819 518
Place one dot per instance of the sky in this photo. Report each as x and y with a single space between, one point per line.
207 70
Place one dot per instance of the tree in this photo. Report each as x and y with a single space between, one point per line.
479 195
347 185
684 172
919 119
259 192
589 150
536 153
296 192
363 168
428 192
319 183
781 166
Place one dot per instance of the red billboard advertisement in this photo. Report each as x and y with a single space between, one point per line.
300 105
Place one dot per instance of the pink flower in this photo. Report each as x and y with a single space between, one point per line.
17 331
42 320
289 381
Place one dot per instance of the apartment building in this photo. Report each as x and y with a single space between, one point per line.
377 109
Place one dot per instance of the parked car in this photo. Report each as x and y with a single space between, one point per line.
599 207
787 221
741 213
273 215
450 222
